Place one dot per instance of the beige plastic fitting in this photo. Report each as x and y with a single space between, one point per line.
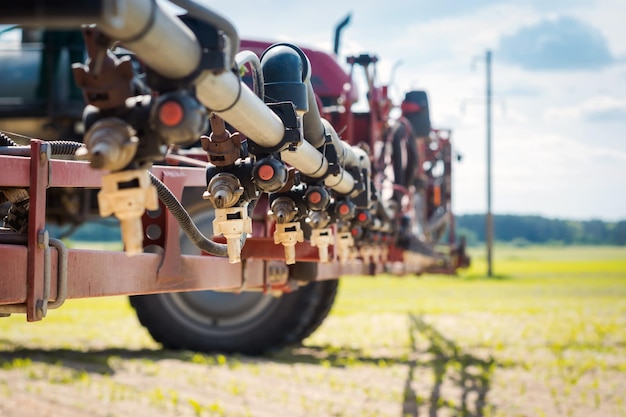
128 204
322 238
288 234
232 222
344 244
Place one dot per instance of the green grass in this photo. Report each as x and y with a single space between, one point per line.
546 336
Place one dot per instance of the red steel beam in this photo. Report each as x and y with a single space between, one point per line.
35 308
104 273
64 173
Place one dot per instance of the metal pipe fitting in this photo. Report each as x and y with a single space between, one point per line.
283 209
110 144
224 190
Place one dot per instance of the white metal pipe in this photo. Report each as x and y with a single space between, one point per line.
158 37
312 125
348 155
226 95
307 159
343 182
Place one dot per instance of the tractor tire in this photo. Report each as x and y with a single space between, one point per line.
326 292
250 323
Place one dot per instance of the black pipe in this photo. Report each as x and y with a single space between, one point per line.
186 223
57 147
53 13
338 30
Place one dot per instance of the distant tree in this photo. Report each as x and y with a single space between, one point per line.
541 230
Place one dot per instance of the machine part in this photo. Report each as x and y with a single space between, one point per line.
251 323
111 144
288 234
205 14
369 254
285 70
318 219
233 223
61 285
249 57
178 118
186 223
17 216
248 322
327 292
317 198
415 108
283 209
322 238
224 190
276 272
127 194
344 245
145 27
222 147
270 174
292 135
363 218
345 210
106 79
384 254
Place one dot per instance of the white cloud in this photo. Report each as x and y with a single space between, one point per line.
587 109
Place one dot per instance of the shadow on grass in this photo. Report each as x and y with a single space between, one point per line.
469 373
470 376
483 277
102 361
93 361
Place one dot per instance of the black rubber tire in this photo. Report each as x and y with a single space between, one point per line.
326 294
250 323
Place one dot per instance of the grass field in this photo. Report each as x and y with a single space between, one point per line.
546 337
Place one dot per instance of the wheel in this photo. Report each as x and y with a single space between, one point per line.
249 323
326 294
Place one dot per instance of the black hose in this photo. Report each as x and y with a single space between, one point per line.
57 147
404 156
186 223
64 147
6 141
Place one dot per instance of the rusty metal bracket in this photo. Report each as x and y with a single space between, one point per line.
39 182
44 304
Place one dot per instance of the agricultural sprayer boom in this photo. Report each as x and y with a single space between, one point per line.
258 163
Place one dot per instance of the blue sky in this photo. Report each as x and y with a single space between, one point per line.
559 78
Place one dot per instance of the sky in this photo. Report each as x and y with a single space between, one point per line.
559 84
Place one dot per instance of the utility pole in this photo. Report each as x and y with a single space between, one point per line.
489 219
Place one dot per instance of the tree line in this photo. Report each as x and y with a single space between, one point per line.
518 230
540 230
